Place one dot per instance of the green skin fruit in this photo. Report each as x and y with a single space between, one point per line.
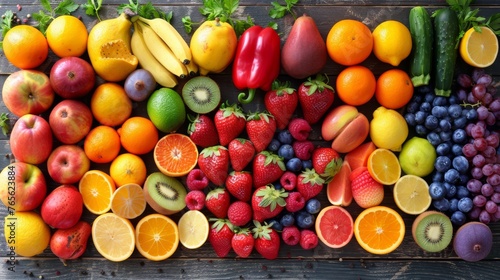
417 157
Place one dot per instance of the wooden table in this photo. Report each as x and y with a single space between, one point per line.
350 262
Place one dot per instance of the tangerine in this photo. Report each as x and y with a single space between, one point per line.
138 135
349 42
102 144
356 85
394 89
25 46
175 155
128 168
67 36
110 104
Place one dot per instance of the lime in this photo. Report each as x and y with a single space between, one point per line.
166 110
28 232
417 157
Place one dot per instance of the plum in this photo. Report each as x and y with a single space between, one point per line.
473 241
139 85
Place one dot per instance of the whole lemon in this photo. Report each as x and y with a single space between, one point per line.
388 129
166 110
392 42
26 233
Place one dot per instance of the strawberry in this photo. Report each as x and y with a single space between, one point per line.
327 162
365 190
214 162
260 129
267 168
267 241
229 122
242 242
239 213
241 152
239 185
267 202
315 98
281 101
217 202
202 131
220 236
309 184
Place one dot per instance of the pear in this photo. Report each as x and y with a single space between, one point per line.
304 52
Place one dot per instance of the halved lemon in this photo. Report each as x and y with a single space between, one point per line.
411 194
128 201
479 49
113 237
193 229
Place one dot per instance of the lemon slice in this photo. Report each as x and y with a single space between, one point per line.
411 194
193 229
128 201
113 237
479 49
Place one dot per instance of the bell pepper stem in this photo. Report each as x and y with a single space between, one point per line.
249 98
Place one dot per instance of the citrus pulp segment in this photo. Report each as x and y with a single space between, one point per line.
334 226
411 194
479 49
128 201
113 237
193 229
175 155
157 237
384 166
97 188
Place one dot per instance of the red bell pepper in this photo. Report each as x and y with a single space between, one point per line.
257 61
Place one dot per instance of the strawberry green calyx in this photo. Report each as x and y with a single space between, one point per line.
272 197
232 109
260 116
273 158
219 224
282 88
317 84
261 231
310 176
215 193
212 151
332 169
239 230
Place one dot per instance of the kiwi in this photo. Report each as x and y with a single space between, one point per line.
201 94
432 231
473 241
166 195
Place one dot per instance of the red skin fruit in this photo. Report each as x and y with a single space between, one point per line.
63 207
71 243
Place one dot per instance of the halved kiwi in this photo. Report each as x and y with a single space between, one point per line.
201 94
432 231
166 195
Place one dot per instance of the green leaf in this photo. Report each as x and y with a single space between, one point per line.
92 8
188 24
6 23
5 123
46 5
66 7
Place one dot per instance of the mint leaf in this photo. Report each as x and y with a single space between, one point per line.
92 8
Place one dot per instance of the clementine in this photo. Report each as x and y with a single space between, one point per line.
110 104
394 89
25 46
128 168
356 85
102 144
138 135
67 36
349 42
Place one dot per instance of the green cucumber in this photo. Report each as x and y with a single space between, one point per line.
422 35
446 32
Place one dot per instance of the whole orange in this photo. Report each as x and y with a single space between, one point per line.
394 89
110 104
138 135
355 85
102 144
128 168
349 42
67 36
25 46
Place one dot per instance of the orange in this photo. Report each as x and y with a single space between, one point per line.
334 226
175 155
102 144
128 201
67 36
110 104
356 85
128 168
97 188
113 237
349 42
394 89
384 166
157 237
25 46
379 230
138 135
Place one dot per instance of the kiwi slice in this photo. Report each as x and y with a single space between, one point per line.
166 195
201 94
432 231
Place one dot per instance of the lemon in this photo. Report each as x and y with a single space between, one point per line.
113 237
479 49
26 233
411 194
166 110
391 42
388 129
193 229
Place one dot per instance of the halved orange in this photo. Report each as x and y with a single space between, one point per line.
113 237
334 226
128 201
384 166
175 155
379 230
157 237
96 188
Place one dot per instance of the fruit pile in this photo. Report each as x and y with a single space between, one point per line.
248 181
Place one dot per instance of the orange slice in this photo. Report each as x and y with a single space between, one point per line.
113 237
128 201
411 194
379 230
97 188
175 155
157 237
334 226
479 49
384 166
193 229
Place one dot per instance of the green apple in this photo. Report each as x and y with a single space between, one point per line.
417 157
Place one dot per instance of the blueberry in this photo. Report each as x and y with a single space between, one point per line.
429 96
453 204
420 117
464 178
425 107
439 101
471 115
442 204
434 139
451 190
461 164
412 107
439 111
445 125
453 100
459 136
287 220
431 122
437 190
442 163
275 224
294 165
445 136
424 90
437 177
465 204
304 220
456 150
462 192
410 119
460 122
277 185
274 145
285 137
419 97
307 164
443 149
421 130
313 206
455 111
458 218
452 176
286 152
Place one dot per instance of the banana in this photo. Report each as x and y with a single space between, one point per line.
192 68
171 37
162 52
149 62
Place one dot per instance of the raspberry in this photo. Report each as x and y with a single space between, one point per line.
291 235
299 128
303 149
294 202
288 180
239 213
308 239
195 200
196 180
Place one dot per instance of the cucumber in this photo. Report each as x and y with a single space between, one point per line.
446 32
422 35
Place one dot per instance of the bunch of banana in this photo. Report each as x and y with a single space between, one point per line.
159 46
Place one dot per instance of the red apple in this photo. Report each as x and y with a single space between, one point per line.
31 139
27 92
63 207
70 121
67 164
72 77
22 186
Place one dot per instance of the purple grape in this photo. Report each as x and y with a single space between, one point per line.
494 105
496 168
489 153
464 80
477 131
479 91
462 94
493 180
493 140
476 173
487 99
481 123
474 186
491 119
471 98
469 150
488 169
480 144
487 190
496 216
474 213
495 197
479 200
484 217
477 73
485 80
482 113
492 89
491 207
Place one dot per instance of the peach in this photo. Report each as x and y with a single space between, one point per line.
346 127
